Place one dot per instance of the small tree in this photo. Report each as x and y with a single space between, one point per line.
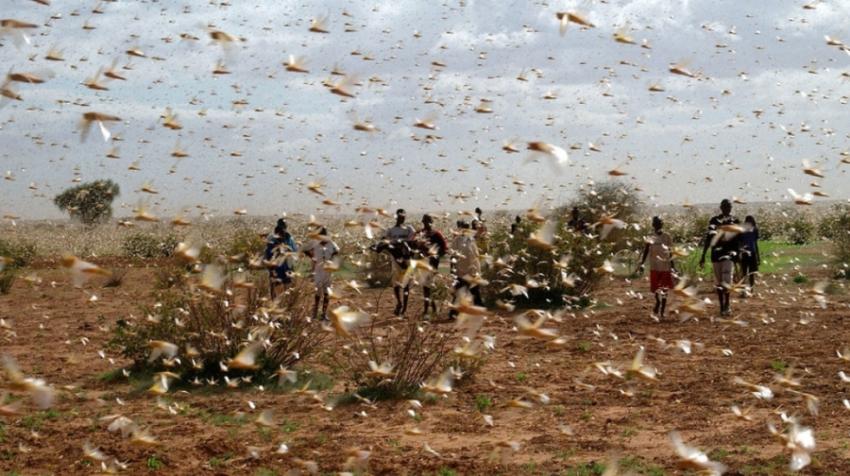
89 202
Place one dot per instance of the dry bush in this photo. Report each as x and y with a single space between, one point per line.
116 278
416 350
217 326
7 279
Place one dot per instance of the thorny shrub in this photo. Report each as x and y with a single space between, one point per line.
413 352
210 328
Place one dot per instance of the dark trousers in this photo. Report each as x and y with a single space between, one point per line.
474 291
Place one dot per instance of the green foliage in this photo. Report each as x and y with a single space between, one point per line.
800 229
687 228
640 466
483 402
289 426
589 469
148 245
778 365
18 253
34 421
90 202
154 463
569 272
839 233
245 242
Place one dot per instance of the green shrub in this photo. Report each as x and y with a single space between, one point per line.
799 229
688 227
772 223
245 242
515 262
840 236
483 402
20 252
148 245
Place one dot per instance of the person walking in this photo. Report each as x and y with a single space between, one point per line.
750 256
515 225
322 251
466 266
658 249
400 236
434 248
482 237
280 247
723 238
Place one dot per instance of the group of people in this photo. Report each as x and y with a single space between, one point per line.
416 256
403 243
731 245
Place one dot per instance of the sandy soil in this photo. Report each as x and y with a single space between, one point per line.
57 333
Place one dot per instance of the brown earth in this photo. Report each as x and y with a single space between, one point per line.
57 333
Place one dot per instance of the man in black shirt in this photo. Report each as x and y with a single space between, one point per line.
722 238
576 222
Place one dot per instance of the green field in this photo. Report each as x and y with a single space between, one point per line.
777 257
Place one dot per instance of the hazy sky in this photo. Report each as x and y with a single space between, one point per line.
258 135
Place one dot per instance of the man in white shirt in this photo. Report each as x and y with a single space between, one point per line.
322 252
466 266
400 236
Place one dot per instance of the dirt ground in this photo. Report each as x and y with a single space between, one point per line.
56 332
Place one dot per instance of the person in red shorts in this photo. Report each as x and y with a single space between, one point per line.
661 266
